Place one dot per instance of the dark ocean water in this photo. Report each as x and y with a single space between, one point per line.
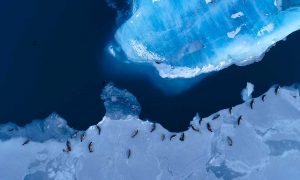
52 59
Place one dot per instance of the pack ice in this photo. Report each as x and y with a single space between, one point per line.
187 38
259 139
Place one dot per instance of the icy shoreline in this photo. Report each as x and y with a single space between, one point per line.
254 140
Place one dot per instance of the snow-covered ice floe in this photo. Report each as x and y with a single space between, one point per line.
259 139
187 38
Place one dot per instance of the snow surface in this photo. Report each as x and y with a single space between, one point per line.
263 144
201 36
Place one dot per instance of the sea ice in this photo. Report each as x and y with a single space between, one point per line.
53 127
236 143
187 38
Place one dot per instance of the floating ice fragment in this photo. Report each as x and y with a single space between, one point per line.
208 1
233 33
119 103
247 92
237 15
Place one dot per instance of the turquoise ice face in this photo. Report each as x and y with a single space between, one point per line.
184 38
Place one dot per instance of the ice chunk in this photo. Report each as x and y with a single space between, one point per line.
119 103
208 1
53 127
233 33
176 36
237 15
247 92
244 143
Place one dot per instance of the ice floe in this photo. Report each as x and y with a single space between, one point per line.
242 142
195 34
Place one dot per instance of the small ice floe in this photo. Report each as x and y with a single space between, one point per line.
247 92
209 1
111 50
237 15
233 33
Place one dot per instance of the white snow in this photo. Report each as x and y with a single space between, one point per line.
247 92
265 145
143 52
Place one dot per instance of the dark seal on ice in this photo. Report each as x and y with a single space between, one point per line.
91 147
208 126
26 142
239 120
134 133
98 129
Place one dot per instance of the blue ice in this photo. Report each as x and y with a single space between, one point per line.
183 39
119 103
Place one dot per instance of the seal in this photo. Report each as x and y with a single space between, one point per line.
134 133
216 116
194 128
68 145
82 137
172 136
128 153
239 120
98 129
229 141
263 97
26 142
200 121
208 126
230 110
182 137
91 147
162 137
277 90
251 103
153 127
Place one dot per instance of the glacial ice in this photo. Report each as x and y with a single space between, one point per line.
183 39
263 144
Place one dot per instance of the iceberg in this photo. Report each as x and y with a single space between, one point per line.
184 39
242 143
